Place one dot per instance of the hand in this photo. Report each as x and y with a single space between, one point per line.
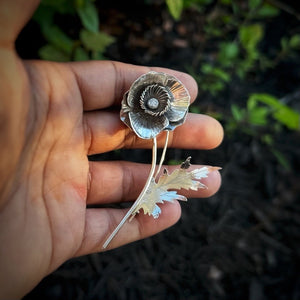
53 115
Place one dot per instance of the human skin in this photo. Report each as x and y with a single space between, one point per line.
52 117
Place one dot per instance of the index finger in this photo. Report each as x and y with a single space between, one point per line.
103 83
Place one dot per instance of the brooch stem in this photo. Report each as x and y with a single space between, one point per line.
142 194
163 153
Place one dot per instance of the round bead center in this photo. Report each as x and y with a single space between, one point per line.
153 103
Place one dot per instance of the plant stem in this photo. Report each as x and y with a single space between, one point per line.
138 200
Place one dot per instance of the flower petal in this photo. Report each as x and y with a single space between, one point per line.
181 100
176 115
143 81
146 126
173 125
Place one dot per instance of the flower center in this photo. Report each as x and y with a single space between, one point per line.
153 103
155 100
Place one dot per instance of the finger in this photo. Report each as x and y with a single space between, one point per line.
101 222
123 181
108 133
103 83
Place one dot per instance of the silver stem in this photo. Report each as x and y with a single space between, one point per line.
163 153
138 200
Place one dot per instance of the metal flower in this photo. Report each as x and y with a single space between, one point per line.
155 102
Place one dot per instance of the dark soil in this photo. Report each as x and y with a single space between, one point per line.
242 243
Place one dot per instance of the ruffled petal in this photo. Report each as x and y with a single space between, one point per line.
146 126
143 81
176 115
181 100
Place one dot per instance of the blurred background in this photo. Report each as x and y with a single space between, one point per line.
244 242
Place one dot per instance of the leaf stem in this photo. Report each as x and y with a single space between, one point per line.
138 200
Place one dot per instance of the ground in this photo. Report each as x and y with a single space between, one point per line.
242 243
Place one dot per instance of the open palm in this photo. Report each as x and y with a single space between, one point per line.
54 115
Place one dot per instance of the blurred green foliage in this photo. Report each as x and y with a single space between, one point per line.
87 43
234 30
260 108
263 118
237 30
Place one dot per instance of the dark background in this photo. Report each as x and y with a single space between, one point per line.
242 243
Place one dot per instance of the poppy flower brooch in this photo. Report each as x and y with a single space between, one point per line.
158 102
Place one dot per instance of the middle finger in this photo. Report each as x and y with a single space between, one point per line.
108 133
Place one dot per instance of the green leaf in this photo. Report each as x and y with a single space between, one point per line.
80 54
295 41
79 3
228 52
195 109
212 30
280 112
97 55
175 8
89 16
284 42
251 103
258 116
55 36
43 16
98 41
267 11
267 99
50 52
226 2
253 4
215 72
237 113
60 6
281 159
206 68
267 139
287 117
250 36
223 75
196 3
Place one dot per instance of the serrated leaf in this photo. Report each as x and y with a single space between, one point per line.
154 193
178 179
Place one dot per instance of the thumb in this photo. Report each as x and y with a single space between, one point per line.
13 17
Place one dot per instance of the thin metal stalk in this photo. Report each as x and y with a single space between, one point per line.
138 200
163 153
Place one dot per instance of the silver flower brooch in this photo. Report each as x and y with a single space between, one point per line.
158 102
